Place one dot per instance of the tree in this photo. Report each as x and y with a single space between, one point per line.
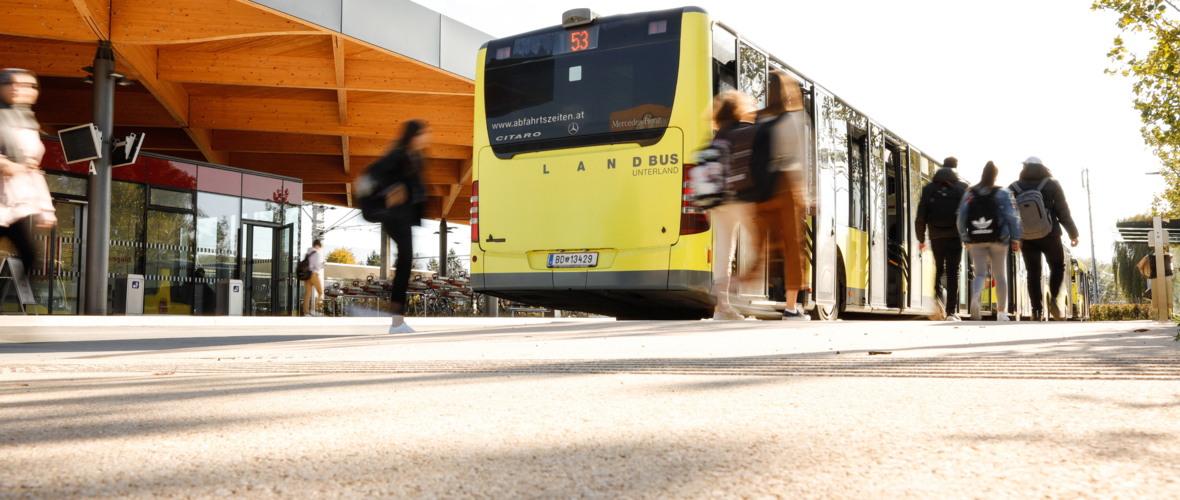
1130 281
1156 87
342 255
432 265
454 263
374 259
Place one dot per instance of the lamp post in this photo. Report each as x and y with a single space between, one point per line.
1090 210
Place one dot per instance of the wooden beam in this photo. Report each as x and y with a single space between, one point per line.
345 154
451 125
46 57
143 61
348 189
464 176
72 107
96 14
158 22
191 66
341 94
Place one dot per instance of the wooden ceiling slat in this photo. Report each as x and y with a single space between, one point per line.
181 21
244 141
46 57
71 107
97 15
450 125
330 169
190 66
55 19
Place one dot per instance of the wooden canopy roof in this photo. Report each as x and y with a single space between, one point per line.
236 83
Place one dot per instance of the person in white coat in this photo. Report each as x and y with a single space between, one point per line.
24 196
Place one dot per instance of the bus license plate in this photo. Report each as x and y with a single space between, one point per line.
589 259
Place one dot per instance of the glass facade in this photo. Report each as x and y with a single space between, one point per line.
183 226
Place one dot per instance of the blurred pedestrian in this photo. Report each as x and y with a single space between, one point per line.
24 196
938 213
1146 267
1043 210
733 119
395 199
314 259
988 226
782 148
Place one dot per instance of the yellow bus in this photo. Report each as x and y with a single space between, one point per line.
582 131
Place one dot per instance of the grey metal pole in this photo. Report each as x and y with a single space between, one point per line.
384 255
442 247
98 217
1090 211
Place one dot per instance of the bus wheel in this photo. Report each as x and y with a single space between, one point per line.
832 313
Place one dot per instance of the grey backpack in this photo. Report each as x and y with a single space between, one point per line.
1034 219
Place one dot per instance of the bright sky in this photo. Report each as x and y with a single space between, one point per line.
1000 80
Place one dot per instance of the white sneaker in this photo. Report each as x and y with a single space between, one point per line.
400 327
953 317
729 314
976 315
1002 316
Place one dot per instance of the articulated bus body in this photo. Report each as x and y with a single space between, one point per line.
581 139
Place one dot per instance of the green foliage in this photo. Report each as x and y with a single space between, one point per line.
432 265
374 259
1157 86
454 262
1119 312
1130 281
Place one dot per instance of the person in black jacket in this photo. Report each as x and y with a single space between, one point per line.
1050 246
399 189
939 214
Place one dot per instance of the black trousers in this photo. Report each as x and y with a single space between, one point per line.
402 234
948 254
20 233
1050 247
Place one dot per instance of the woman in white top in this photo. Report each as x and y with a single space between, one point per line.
24 195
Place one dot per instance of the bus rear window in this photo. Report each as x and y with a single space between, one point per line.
611 93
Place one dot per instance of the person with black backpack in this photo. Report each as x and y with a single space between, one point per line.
938 213
988 225
727 175
308 271
391 193
1040 200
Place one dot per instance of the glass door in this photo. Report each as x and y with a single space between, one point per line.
64 257
258 276
267 269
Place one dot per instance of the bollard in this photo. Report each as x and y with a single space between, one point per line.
128 295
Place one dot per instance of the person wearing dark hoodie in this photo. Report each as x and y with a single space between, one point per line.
938 213
1044 240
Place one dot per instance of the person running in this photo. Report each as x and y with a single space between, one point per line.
783 144
938 214
315 263
988 225
733 118
1043 210
398 195
24 195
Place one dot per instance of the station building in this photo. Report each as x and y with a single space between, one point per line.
249 110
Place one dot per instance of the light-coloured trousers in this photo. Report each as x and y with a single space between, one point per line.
993 258
308 286
727 220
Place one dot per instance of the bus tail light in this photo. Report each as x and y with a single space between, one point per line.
693 220
475 212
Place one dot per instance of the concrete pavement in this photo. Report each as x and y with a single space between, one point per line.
577 409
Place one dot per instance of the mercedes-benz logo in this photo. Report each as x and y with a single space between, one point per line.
573 128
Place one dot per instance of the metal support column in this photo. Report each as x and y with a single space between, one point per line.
98 220
492 306
384 255
442 247
1161 286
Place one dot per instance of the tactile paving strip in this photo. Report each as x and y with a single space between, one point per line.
845 366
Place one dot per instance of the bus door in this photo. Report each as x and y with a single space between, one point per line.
878 241
751 79
826 267
915 252
897 256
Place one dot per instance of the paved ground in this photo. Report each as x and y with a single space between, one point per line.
592 409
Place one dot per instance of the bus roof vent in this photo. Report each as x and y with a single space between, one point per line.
577 17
